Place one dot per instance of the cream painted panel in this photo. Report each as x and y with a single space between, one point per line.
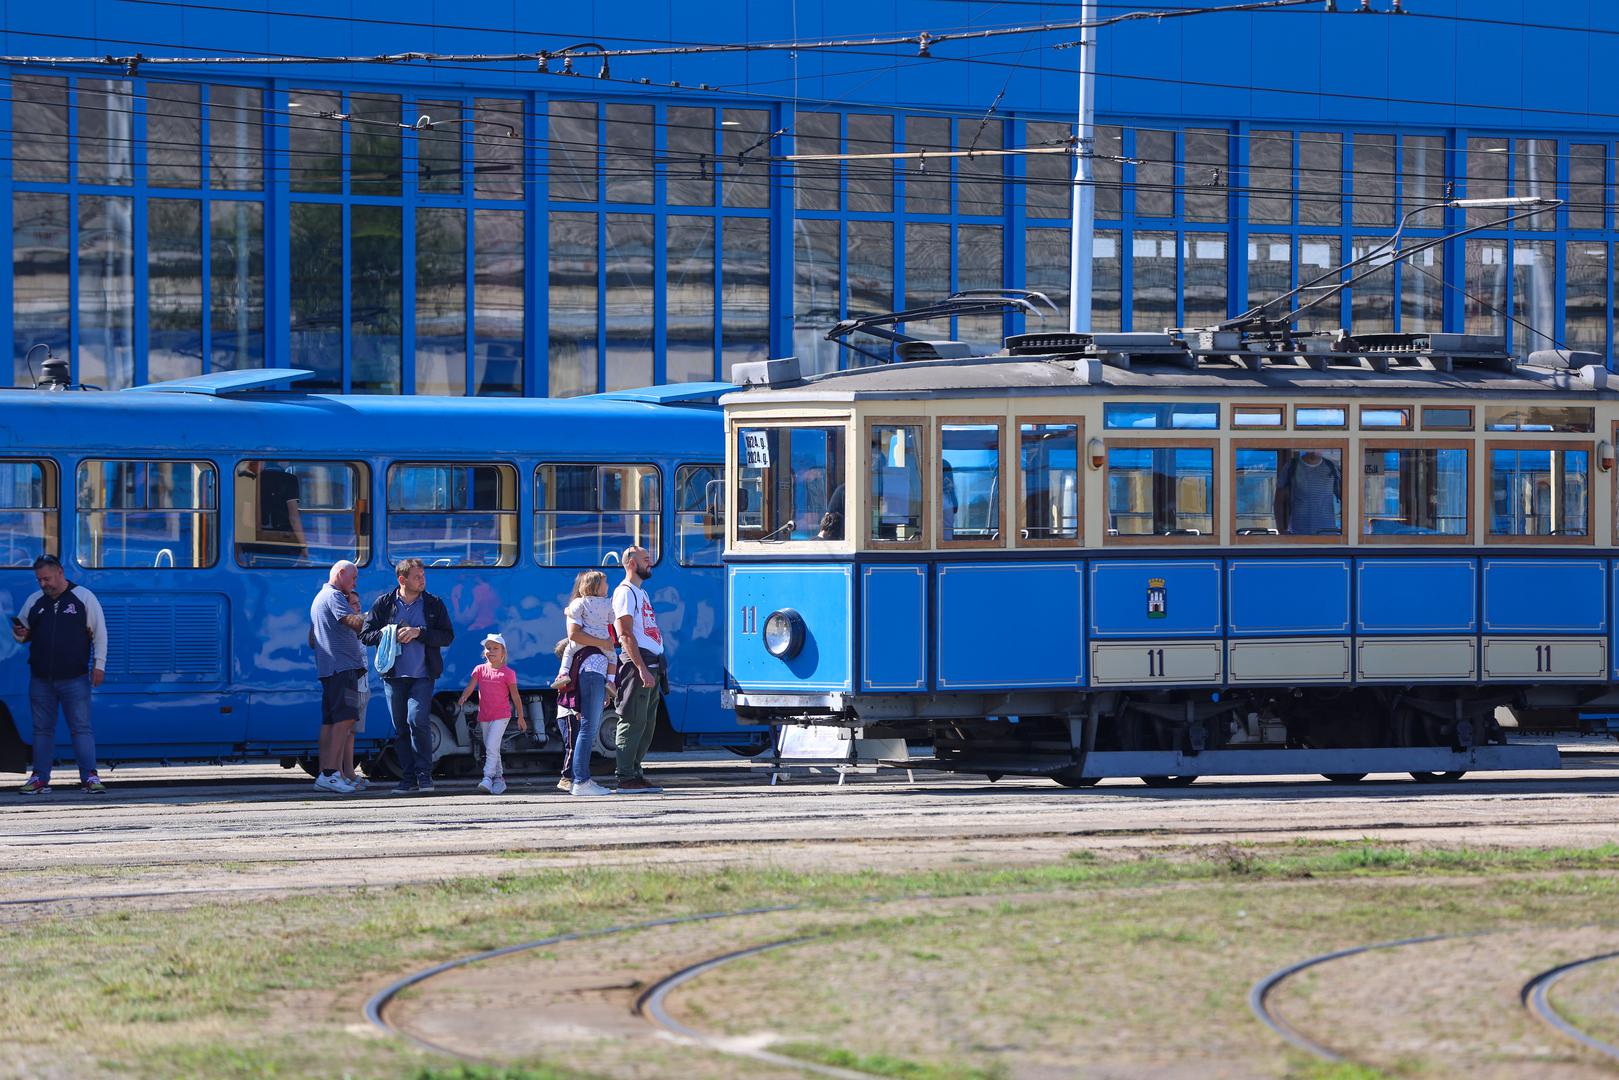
1541 659
1422 658
1156 663
1301 660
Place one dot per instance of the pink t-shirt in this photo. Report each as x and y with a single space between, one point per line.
494 700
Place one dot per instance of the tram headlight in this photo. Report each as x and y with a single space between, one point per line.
784 634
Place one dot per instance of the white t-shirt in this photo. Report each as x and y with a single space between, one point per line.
631 600
592 614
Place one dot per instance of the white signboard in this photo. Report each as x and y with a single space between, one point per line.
756 449
806 742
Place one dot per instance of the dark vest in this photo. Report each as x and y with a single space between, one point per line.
59 637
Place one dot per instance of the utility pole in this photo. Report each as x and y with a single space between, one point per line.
1083 226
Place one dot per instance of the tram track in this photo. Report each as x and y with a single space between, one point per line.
1536 997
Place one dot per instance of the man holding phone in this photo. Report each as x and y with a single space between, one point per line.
66 636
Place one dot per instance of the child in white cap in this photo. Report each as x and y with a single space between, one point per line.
498 702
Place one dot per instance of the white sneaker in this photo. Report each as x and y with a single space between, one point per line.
499 787
486 786
334 783
359 783
590 787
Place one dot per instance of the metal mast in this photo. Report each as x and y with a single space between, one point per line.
1083 226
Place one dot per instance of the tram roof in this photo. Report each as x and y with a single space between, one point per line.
1017 376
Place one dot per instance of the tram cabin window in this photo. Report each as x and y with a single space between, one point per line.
699 514
1258 416
1320 416
1539 491
155 514
585 513
1554 418
1447 418
1414 491
1160 491
894 479
1289 491
1150 415
969 483
452 514
1385 418
790 484
1049 458
29 522
301 513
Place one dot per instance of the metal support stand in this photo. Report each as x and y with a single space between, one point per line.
811 749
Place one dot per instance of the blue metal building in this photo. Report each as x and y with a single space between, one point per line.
556 232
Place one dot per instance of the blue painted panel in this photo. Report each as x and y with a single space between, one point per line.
1266 597
981 645
1559 596
1191 598
1416 596
893 630
822 596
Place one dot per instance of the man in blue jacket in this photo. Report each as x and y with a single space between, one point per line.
67 655
418 623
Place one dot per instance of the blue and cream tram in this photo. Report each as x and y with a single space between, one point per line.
1167 555
205 513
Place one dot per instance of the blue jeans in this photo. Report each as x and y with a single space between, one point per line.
592 695
72 696
410 703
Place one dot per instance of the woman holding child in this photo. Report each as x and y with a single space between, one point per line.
588 671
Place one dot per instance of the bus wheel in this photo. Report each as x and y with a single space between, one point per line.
1168 781
384 765
310 766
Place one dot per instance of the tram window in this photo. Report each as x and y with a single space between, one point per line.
790 483
1375 417
969 483
1320 416
1258 416
156 514
1288 491
1447 418
29 520
452 514
302 513
1540 491
699 514
582 513
894 496
1557 418
1050 496
1156 415
1160 491
1414 491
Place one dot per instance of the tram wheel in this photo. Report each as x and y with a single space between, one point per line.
1438 777
1168 781
1345 777
385 765
1070 779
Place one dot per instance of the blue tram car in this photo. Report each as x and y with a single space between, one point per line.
1171 555
205 512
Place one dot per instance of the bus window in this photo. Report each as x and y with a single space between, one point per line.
1540 491
584 512
452 514
790 483
1160 490
969 483
1284 491
302 513
1409 492
1048 457
699 515
894 495
29 520
147 514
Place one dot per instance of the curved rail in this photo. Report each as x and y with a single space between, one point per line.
1535 998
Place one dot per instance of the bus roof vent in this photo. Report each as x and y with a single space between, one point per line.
221 383
933 350
767 372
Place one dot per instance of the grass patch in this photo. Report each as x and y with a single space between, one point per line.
884 1064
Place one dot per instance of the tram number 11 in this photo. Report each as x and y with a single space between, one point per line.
1155 662
1543 658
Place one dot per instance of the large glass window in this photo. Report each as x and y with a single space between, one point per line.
1049 178
629 277
979 180
236 126
302 513
1270 269
1485 272
978 266
1288 491
450 514
1051 491
970 493
441 300
1422 291
1534 294
173 135
927 263
40 286
499 332
497 149
689 153
106 131
790 484
871 182
1204 294
374 147
173 289
1555 418
699 514
571 275
1321 178
1270 178
816 299
438 148
744 152
375 304
1371 303
871 267
1204 176
1160 490
894 478
1422 177
815 183
1486 178
1534 174
745 284
1587 187
1410 492
156 514
1153 298
927 183
1155 173
29 521
106 306
584 512
1540 491
315 141
1045 270
1374 180
689 299
571 151
627 158
317 293
39 148
1585 304
236 280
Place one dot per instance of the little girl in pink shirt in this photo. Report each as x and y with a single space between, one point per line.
498 702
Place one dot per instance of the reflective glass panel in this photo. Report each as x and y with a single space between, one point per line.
571 276
1446 418
441 301
374 146
1270 177
499 328
497 149
1321 178
927 183
894 479
969 482
628 258
689 171
745 290
38 128
1155 173
1539 492
107 291
815 183
173 289
106 131
1484 272
1049 178
870 183
699 515
439 148
317 293
452 514
1559 418
1258 416
1371 299
584 512
173 134
153 514
571 151
29 522
689 299
871 267
1204 291
236 279
1414 492
1422 177
1422 291
790 483
1487 161
745 134
1155 292
1048 455
1534 173
1374 179
1147 414
1282 491
1205 174
978 266
315 140
40 282
979 180
1160 491
1045 270
816 300
1585 303
1587 187
301 513
1107 171
1320 416
1381 417
1270 269
627 157
1534 295
375 306
236 125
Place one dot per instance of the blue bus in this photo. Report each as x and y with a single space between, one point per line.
206 512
